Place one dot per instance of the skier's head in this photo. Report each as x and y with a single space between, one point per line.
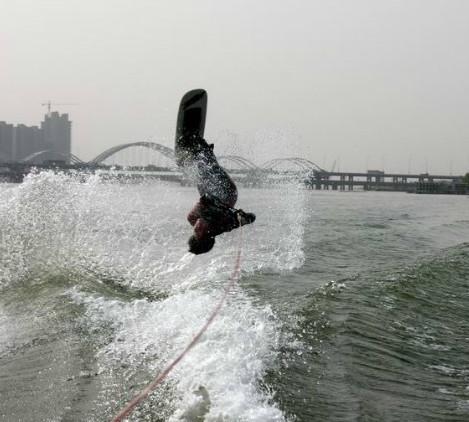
202 245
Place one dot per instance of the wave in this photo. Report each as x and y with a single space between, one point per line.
112 294
390 345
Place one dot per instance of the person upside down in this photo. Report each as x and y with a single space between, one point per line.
214 214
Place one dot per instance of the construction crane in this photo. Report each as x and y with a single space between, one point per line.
49 104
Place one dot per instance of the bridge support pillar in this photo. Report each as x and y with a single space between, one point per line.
342 182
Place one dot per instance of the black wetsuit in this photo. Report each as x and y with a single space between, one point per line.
218 194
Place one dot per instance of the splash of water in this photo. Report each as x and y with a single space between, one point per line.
110 242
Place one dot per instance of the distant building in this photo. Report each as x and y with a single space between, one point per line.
6 141
27 141
57 131
53 138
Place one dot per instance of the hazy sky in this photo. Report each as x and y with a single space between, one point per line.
369 83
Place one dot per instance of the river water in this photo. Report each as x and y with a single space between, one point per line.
351 306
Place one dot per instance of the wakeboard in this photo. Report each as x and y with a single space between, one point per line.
191 114
190 123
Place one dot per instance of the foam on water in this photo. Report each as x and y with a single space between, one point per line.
135 236
227 363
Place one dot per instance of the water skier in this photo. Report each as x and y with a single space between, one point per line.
214 214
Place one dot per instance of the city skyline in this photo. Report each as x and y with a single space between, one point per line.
53 144
365 84
53 138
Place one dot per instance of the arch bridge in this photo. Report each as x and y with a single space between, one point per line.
166 151
303 163
244 163
51 153
243 168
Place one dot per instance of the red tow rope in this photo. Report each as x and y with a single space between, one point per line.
234 277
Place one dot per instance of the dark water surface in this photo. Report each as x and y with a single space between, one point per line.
352 306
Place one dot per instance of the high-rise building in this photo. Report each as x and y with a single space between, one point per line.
53 139
27 141
6 141
57 131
